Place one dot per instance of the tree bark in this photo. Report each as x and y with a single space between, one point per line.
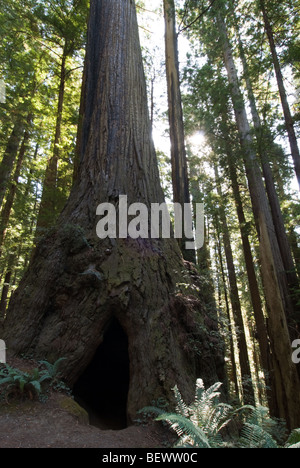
248 393
4 294
277 216
233 363
180 182
48 207
76 283
6 211
274 279
9 157
289 122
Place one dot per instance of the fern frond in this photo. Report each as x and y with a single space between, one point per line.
185 428
57 364
52 368
294 445
253 436
294 438
181 406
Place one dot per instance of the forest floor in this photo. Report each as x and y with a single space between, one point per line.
58 422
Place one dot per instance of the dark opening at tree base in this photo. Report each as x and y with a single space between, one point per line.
102 389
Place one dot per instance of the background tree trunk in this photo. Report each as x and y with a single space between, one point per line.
9 157
180 181
273 275
6 211
248 393
76 283
48 207
264 142
283 96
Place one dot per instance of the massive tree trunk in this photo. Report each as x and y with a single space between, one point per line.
275 284
77 284
180 182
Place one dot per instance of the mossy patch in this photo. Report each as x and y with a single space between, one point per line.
70 406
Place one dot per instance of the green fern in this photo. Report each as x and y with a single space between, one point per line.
52 371
254 436
19 382
201 424
189 434
294 439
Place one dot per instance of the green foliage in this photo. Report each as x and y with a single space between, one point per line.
52 370
208 423
18 383
200 424
294 439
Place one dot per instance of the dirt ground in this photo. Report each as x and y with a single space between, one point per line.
58 422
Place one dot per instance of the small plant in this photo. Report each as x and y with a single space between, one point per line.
21 384
51 372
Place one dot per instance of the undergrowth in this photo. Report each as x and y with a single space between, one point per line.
19 384
209 423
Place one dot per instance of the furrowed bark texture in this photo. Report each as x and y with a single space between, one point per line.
77 283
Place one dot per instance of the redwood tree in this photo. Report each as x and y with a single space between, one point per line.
275 284
76 283
180 180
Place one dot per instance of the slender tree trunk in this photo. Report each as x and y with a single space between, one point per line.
78 149
4 295
6 211
234 377
260 323
248 393
278 220
274 279
181 193
9 157
48 207
289 122
6 285
77 283
253 285
294 240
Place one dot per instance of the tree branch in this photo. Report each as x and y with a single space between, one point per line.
198 17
